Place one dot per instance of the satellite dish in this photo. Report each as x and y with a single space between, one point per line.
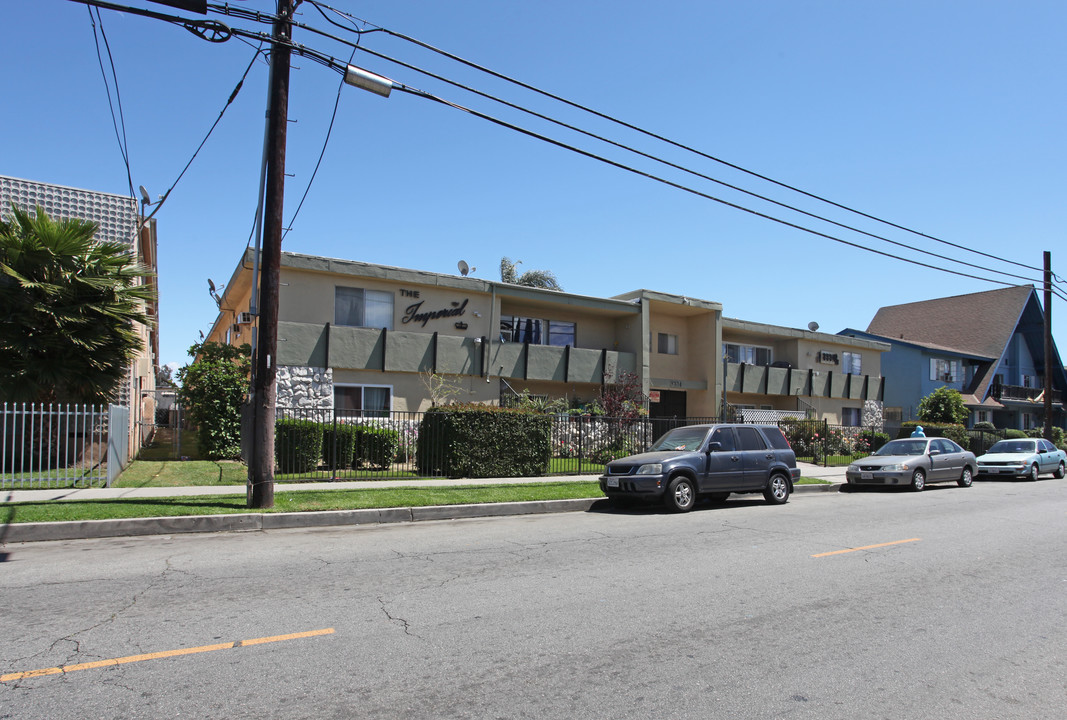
813 326
145 197
464 268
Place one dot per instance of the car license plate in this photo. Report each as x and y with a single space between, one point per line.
613 482
866 476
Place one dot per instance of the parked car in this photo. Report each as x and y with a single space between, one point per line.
1023 458
915 462
706 460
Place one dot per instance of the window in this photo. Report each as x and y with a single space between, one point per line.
356 307
668 344
1028 421
750 439
748 354
981 416
537 331
362 400
945 370
725 437
852 363
850 417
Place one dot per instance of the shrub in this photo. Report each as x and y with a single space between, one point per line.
1013 434
874 439
1057 434
338 444
943 406
984 425
297 445
956 433
213 389
374 446
483 441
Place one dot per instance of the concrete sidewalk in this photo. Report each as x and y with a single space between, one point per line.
84 529
832 474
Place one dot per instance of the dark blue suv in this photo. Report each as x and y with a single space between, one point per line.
706 460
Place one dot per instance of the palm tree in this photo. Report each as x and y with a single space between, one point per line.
531 278
67 308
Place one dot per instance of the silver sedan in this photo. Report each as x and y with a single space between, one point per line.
1027 458
914 462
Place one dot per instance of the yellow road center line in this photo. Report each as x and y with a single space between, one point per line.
158 655
866 547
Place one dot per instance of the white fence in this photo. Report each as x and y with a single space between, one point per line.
58 445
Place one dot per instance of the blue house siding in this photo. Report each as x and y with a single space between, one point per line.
907 372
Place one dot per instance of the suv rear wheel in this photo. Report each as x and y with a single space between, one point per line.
777 491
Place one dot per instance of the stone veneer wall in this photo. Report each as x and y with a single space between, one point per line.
302 387
872 415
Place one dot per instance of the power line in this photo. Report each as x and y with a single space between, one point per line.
668 163
678 186
124 148
649 156
229 101
375 28
334 64
325 143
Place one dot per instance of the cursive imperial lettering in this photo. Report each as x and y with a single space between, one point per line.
412 313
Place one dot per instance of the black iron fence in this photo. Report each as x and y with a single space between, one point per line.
330 444
325 444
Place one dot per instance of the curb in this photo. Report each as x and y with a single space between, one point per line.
187 524
93 529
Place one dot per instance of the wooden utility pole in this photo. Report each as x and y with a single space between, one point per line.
264 387
1048 346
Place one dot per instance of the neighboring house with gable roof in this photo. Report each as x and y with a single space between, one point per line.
988 345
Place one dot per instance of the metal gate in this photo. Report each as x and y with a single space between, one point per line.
163 430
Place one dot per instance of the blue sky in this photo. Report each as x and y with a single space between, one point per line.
944 117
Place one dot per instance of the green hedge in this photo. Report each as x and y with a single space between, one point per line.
297 445
479 441
374 446
956 433
338 445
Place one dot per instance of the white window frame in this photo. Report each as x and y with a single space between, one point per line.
747 354
945 370
363 320
671 343
362 412
850 360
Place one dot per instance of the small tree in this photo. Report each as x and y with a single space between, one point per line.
68 305
212 390
944 405
509 273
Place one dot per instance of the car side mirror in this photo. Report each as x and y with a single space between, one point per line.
714 447
934 452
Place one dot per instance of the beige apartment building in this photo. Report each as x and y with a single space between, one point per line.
366 338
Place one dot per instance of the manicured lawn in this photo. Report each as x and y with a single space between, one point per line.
294 501
177 473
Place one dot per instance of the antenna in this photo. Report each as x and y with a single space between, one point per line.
813 326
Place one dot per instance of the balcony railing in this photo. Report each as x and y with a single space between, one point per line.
1019 392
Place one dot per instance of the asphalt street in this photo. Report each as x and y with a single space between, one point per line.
948 603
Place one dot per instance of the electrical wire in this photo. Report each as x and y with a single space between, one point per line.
229 101
662 161
325 143
676 185
376 28
120 136
222 33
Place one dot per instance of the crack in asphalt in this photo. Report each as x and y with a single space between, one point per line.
397 620
75 654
